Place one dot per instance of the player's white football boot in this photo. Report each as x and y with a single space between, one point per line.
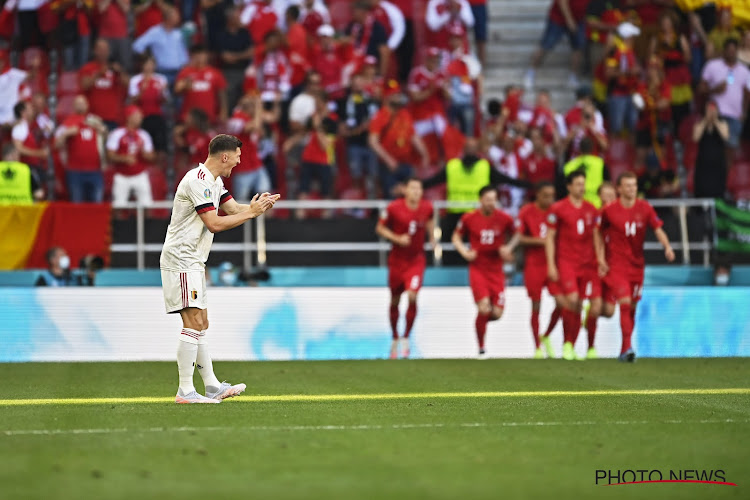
405 352
193 397
226 390
394 349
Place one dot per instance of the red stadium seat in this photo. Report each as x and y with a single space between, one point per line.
68 84
620 156
738 180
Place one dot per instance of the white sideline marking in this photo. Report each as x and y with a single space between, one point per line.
364 427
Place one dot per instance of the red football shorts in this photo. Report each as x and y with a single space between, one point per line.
581 280
620 285
535 279
405 276
487 285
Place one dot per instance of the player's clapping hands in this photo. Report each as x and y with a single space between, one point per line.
262 202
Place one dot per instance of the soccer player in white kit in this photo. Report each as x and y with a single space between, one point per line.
191 230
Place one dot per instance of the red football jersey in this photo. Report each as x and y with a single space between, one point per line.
539 168
82 148
486 235
575 232
532 221
421 79
131 142
624 231
203 92
401 219
197 144
107 95
149 93
249 159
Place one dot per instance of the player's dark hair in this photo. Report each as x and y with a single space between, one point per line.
19 108
543 184
292 12
223 143
573 176
413 178
198 48
626 175
486 189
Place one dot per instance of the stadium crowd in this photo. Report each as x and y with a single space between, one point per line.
113 99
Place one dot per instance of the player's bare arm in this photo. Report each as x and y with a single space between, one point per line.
402 240
468 254
430 230
506 251
549 250
231 206
599 250
662 237
259 205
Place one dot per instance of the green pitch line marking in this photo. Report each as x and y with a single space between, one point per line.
361 427
407 395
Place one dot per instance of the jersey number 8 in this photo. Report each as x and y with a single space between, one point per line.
580 226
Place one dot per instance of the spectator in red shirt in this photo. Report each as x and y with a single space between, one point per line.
546 119
444 15
622 72
148 13
463 72
540 165
112 24
28 138
328 62
297 47
193 136
394 139
272 71
655 117
317 159
584 120
105 85
367 35
250 176
566 17
427 92
149 91
202 86
259 18
129 150
78 137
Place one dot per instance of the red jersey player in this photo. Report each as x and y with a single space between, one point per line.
620 254
571 257
405 223
531 231
486 229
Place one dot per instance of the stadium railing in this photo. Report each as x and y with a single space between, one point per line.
260 246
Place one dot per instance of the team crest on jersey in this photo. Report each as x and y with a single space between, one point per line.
207 194
194 294
551 219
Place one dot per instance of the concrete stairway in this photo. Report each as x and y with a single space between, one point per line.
515 28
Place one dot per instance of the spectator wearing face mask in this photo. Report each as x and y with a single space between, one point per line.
58 269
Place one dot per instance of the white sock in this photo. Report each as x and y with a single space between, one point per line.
205 365
187 351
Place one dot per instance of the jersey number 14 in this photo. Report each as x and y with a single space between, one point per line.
630 228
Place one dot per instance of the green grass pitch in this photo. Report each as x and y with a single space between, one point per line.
462 429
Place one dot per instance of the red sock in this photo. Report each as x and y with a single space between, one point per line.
411 313
481 324
535 326
626 324
576 326
553 321
568 319
591 329
394 321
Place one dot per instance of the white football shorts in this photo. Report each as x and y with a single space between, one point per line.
184 289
